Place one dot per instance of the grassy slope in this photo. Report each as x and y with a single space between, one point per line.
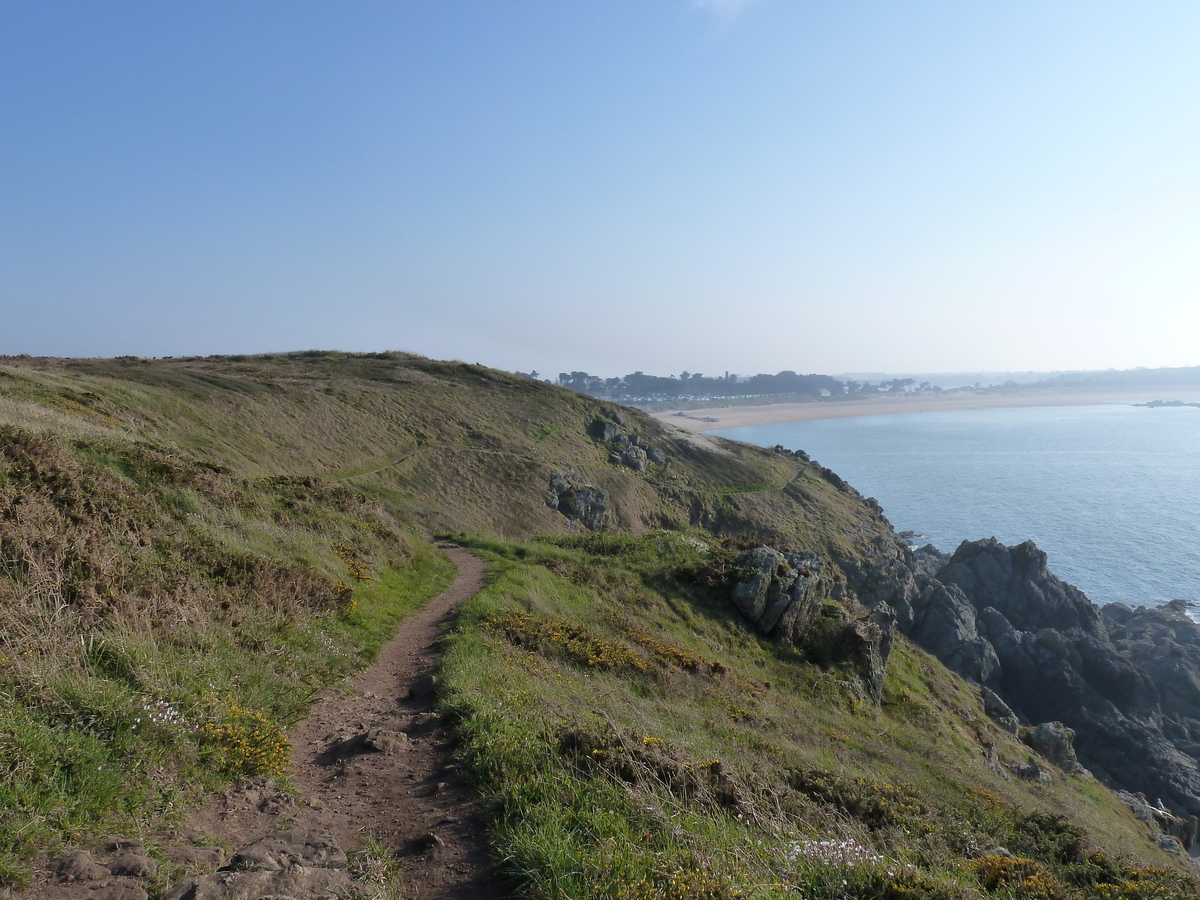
449 446
189 545
636 743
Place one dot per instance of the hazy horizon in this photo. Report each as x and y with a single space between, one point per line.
756 186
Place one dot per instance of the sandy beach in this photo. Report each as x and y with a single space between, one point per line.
721 417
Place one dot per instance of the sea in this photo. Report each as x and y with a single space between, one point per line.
1111 493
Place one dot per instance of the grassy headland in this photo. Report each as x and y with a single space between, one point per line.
191 549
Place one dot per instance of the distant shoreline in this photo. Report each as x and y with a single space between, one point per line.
722 417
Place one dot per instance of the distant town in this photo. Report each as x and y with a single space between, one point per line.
691 387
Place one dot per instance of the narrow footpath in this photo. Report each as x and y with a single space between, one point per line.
404 790
372 767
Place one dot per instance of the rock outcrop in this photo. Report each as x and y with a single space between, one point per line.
582 503
782 592
626 448
1055 742
304 864
1125 681
786 596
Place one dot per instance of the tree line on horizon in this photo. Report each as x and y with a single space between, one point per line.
640 386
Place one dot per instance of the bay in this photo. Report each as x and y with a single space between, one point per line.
1111 493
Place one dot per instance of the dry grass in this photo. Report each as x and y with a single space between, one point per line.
450 446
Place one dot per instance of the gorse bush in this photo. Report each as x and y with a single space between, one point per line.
244 742
573 642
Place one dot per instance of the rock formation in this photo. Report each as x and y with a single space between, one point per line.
786 596
1125 681
583 503
625 449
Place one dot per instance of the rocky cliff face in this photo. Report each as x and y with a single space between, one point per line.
1127 681
788 597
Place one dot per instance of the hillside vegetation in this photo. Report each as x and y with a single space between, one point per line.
191 549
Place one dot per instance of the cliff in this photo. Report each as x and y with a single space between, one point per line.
1127 681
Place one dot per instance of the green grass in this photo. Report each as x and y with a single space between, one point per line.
194 547
162 621
633 741
488 441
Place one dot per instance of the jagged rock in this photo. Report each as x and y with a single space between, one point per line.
296 847
582 503
782 594
634 457
634 451
296 882
1016 582
1182 830
872 647
884 575
1126 681
944 624
750 594
1054 741
604 431
927 561
1030 771
1169 843
999 711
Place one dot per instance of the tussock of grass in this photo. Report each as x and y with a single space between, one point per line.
635 742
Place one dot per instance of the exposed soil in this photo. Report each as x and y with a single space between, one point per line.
373 760
410 797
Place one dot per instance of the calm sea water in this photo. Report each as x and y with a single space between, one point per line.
1111 493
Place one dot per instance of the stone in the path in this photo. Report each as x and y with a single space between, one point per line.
118 889
79 867
296 847
296 882
381 740
135 865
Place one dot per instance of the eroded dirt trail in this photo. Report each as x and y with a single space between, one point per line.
374 760
351 760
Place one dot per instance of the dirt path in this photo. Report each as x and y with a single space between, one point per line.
403 792
372 764
411 799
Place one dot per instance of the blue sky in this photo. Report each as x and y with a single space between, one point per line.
609 186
